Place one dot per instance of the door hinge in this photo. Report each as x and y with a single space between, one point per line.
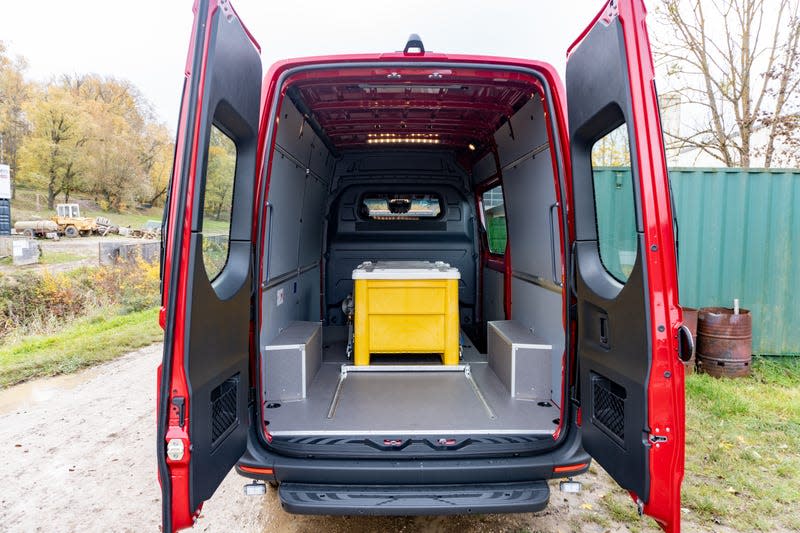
251 396
573 396
611 12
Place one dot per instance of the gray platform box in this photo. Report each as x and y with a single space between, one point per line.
520 359
291 360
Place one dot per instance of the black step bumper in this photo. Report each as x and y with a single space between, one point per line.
397 500
450 469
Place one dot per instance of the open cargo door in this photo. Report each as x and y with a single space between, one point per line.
204 377
631 379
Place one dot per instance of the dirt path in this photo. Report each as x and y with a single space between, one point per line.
79 455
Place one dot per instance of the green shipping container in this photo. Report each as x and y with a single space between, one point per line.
739 238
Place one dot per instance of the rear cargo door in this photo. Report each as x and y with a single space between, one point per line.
204 377
625 279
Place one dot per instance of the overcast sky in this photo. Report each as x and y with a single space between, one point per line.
146 41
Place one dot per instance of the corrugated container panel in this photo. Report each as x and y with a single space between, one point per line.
5 216
740 238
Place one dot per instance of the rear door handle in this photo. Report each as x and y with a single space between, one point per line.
686 346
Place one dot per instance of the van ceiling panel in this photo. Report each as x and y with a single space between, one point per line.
413 108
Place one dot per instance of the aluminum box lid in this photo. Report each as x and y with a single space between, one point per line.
405 270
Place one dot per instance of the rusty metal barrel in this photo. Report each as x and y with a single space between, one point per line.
690 319
724 342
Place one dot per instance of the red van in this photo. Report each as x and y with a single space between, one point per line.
289 185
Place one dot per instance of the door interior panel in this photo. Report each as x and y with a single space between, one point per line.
216 371
614 369
613 322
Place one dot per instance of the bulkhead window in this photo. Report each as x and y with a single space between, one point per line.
404 206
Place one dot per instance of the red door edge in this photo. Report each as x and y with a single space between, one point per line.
666 414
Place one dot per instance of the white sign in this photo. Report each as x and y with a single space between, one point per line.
5 181
18 247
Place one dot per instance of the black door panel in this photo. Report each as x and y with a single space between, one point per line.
613 341
216 367
614 369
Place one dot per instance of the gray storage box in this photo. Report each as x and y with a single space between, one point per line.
520 359
291 360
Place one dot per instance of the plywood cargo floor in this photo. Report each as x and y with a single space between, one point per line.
410 403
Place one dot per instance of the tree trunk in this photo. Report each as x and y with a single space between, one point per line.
51 193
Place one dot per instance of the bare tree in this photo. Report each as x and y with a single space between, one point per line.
736 66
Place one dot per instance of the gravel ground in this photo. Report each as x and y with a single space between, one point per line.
79 455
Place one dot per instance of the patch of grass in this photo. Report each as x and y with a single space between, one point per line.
83 343
589 517
743 447
57 258
621 510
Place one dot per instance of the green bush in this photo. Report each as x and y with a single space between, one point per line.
39 303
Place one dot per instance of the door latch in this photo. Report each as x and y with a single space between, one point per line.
604 330
180 403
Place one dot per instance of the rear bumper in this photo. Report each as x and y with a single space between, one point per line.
396 500
430 471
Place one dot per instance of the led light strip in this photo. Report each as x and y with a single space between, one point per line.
395 140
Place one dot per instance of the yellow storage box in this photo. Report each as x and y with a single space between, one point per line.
406 307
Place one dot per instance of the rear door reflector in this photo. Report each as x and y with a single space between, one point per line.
570 468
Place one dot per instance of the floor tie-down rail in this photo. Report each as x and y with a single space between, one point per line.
405 369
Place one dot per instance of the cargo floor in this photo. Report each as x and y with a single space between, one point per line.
397 401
